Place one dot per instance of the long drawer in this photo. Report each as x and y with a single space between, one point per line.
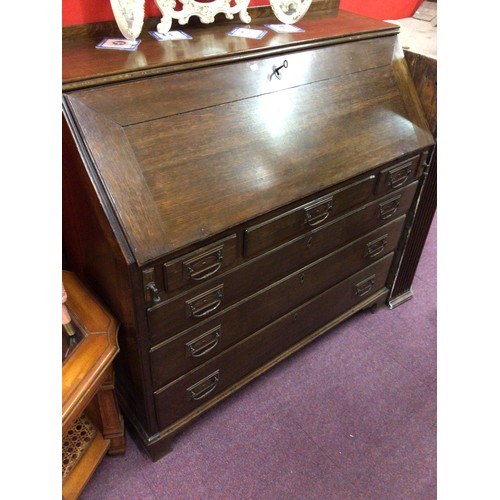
172 316
192 348
325 208
184 395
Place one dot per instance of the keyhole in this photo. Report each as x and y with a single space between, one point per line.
302 278
309 242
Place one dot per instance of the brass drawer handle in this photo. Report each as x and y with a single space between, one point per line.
204 387
202 274
207 306
399 177
376 247
204 343
364 287
389 208
316 214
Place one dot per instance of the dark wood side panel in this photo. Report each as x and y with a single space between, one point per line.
409 95
423 71
90 245
117 169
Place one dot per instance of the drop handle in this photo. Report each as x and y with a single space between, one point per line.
204 387
276 70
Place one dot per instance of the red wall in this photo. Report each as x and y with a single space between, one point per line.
382 9
91 11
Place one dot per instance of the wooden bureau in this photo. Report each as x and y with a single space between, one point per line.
227 216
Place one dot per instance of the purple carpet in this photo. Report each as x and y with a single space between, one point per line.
351 416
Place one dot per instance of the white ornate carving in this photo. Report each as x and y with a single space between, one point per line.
129 16
205 11
290 11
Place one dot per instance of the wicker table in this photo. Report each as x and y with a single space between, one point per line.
91 420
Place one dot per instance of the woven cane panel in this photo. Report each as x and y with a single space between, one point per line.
75 443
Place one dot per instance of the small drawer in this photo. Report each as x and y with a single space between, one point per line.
187 350
200 265
397 176
308 216
195 389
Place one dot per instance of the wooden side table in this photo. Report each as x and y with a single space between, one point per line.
92 424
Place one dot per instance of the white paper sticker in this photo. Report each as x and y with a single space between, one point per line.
247 33
171 35
117 44
284 28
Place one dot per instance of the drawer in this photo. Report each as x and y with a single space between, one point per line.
398 175
183 352
169 317
308 216
191 391
201 265
320 213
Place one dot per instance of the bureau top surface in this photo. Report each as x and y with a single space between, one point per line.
183 155
83 64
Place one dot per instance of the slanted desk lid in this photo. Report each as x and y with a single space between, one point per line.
183 156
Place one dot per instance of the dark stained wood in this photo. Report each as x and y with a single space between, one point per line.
177 154
398 175
409 94
271 301
300 220
312 245
84 65
175 400
237 81
423 71
98 253
202 265
170 316
174 357
165 201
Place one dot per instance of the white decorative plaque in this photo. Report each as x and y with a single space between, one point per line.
129 16
290 11
205 11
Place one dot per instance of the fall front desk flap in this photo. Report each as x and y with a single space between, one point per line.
186 155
